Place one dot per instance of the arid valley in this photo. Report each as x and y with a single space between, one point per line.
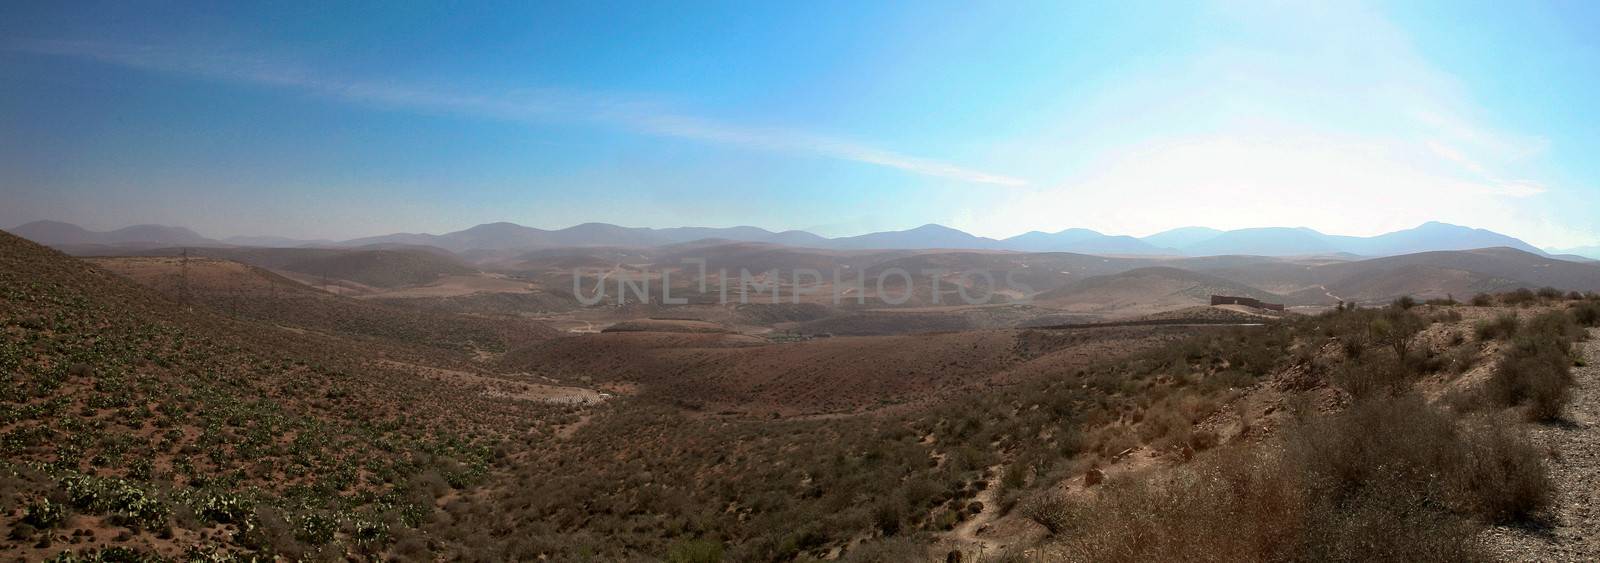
390 400
941 281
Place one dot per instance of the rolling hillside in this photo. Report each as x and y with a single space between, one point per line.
1431 274
244 291
166 428
1146 290
375 267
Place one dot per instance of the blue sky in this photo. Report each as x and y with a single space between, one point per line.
841 118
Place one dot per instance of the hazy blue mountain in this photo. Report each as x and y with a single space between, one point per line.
799 238
504 236
926 236
1181 237
56 233
1082 241
1590 252
1433 236
1191 241
1267 241
276 242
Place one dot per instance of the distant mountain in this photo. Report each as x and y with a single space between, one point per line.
506 236
1181 237
505 240
56 233
1268 241
1590 252
1433 236
276 242
1279 241
1082 241
926 236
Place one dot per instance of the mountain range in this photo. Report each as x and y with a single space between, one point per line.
1186 241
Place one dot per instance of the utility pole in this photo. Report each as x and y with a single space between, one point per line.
183 278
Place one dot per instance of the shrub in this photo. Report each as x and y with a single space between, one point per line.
1371 375
1541 384
1550 293
1535 371
1519 297
886 517
1499 328
1389 479
1482 300
1505 480
892 550
695 551
1586 313
1050 510
1405 302
43 514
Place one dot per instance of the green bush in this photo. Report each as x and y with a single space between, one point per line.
695 551
43 514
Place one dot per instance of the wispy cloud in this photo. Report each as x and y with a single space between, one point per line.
1491 183
527 106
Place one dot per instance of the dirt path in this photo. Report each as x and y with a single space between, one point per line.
1573 534
495 387
966 533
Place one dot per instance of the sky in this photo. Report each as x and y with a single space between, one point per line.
324 120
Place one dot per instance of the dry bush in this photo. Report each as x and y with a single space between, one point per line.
1587 313
889 550
1541 383
1500 328
1535 371
1050 510
1405 442
1391 479
1371 375
1519 297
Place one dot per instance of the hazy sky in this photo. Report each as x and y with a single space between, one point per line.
841 118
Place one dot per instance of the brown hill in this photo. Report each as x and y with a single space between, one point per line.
1432 274
250 292
161 427
383 267
1146 290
